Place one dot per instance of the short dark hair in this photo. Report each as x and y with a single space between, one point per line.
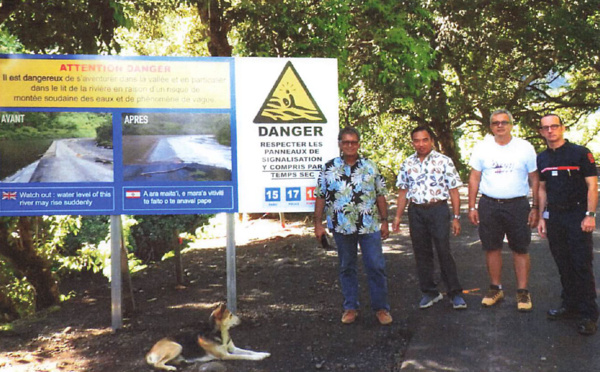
422 128
349 130
553 114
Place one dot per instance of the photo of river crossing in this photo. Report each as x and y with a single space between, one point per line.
39 147
176 147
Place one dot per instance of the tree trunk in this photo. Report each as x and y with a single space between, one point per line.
24 257
441 122
212 13
8 311
446 143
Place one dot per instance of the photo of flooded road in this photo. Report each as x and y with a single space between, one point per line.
40 147
176 147
69 160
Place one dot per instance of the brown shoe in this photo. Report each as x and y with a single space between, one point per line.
384 317
349 316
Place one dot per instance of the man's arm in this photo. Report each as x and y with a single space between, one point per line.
534 183
455 201
474 180
383 213
318 218
401 203
541 203
589 223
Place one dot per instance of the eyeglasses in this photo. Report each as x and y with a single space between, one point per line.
546 128
498 123
349 143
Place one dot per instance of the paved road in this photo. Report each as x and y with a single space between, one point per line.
497 339
70 160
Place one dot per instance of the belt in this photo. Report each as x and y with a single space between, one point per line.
503 201
429 205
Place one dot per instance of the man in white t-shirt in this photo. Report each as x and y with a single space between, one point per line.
503 169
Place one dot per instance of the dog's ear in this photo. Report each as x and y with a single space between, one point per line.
219 311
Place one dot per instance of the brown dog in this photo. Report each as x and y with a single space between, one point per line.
215 343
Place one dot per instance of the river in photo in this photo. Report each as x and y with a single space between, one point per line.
198 149
175 158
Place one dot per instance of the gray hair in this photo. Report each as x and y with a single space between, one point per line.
502 111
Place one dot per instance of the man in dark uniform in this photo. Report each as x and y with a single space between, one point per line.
568 198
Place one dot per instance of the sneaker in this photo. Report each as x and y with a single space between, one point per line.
523 300
493 296
562 313
384 317
349 316
428 300
458 302
587 327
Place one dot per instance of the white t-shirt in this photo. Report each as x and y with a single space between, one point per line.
504 169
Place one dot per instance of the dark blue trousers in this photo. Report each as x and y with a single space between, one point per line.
572 250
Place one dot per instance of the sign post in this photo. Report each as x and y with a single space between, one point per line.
116 283
231 267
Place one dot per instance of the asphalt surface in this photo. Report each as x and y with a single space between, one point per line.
497 339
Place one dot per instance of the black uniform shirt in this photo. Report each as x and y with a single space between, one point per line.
564 170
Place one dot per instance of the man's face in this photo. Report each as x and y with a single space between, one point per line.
349 144
422 142
501 125
551 129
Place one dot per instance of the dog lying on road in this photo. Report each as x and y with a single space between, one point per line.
215 343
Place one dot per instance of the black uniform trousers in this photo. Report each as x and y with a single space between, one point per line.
572 250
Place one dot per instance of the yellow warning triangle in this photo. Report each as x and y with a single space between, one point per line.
289 101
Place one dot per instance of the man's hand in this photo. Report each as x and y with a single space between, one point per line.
455 226
533 218
588 224
541 227
474 216
396 224
385 230
319 231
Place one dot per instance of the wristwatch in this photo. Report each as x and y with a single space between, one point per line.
590 214
457 216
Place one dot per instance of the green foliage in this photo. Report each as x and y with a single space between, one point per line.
224 135
104 134
67 26
9 43
154 236
162 28
74 244
17 290
52 125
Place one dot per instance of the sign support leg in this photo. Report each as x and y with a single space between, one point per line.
115 275
231 280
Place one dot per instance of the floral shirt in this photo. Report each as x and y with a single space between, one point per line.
350 194
430 180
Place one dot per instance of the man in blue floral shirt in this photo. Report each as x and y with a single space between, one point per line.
427 179
352 193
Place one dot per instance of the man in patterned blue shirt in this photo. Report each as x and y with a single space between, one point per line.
352 193
427 179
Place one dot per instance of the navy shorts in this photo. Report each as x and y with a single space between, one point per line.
500 219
